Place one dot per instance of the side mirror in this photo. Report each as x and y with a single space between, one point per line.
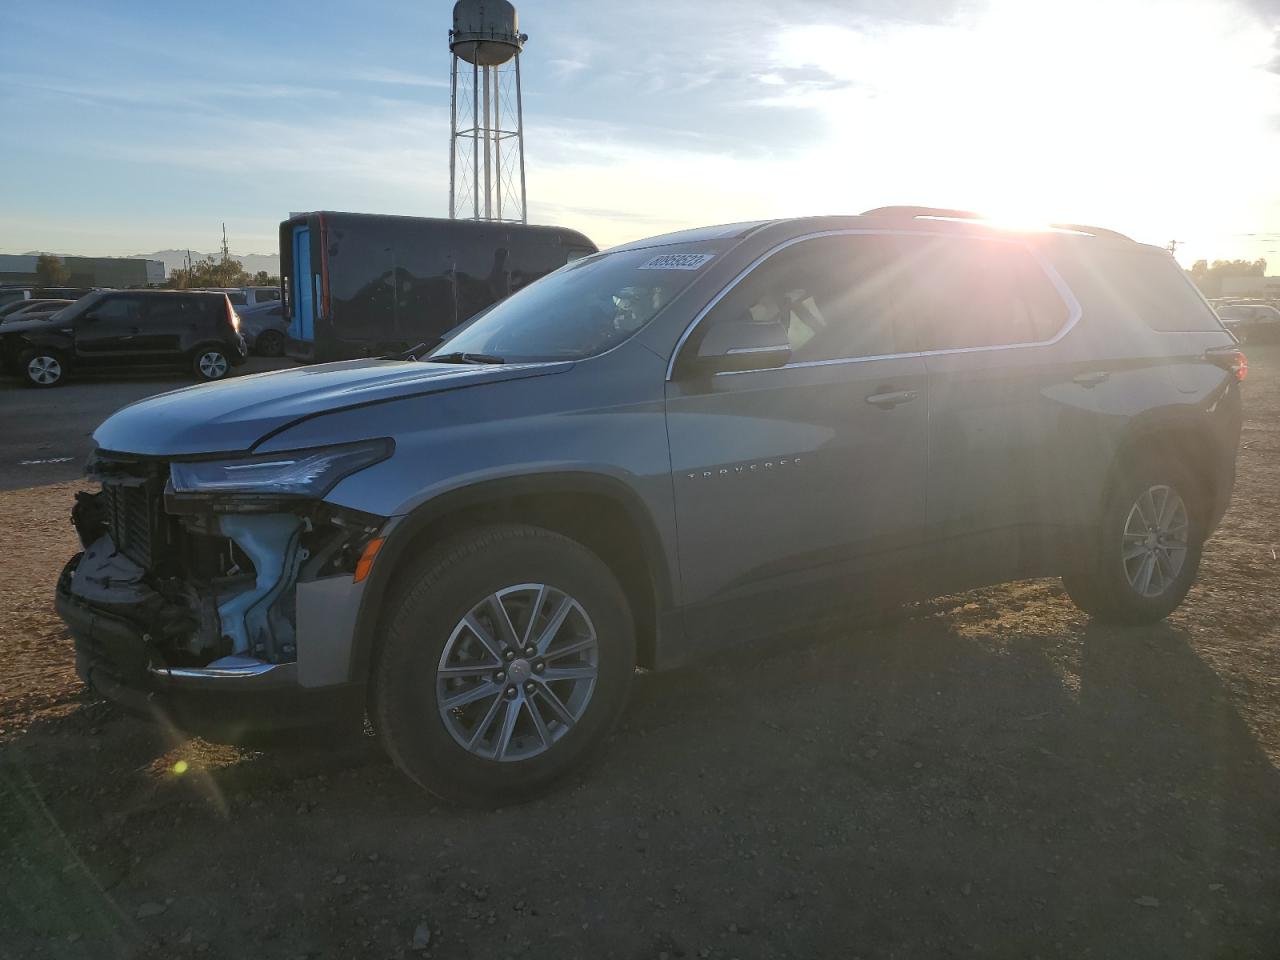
743 345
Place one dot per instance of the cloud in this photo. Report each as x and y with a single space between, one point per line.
565 68
402 78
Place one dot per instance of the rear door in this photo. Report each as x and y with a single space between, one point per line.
110 330
800 487
1010 411
169 323
303 325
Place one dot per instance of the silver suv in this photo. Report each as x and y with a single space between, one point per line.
656 451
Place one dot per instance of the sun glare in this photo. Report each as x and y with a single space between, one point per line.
1033 113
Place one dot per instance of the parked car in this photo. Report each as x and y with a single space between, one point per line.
31 309
10 294
13 305
365 285
654 454
130 328
247 296
235 295
264 328
1251 322
254 296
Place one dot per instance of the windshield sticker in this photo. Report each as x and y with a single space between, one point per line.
677 261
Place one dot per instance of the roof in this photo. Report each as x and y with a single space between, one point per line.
901 216
724 231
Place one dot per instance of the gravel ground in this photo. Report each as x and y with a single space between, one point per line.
986 775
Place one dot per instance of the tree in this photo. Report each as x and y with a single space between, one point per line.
264 279
1208 277
210 273
51 271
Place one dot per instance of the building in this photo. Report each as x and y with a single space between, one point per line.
88 271
1267 288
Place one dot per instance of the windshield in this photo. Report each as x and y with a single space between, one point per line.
584 308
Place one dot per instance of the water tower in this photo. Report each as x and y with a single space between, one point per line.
486 142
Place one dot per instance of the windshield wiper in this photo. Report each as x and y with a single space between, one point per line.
462 358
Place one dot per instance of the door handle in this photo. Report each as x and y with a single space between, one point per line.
1091 379
886 401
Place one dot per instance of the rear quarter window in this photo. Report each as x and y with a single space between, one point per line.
1152 285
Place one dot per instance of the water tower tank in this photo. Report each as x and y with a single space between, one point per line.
485 32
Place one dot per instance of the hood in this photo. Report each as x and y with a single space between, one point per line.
234 415
41 325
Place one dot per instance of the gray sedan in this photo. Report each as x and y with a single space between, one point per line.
263 327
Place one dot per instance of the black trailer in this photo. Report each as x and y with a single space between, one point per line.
359 284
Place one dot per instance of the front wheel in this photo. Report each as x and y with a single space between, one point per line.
43 368
1148 546
210 363
508 659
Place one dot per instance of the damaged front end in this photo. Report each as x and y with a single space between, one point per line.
215 577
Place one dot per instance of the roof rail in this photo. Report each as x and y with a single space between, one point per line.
922 212
1095 231
944 214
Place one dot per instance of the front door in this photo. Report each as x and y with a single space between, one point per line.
803 486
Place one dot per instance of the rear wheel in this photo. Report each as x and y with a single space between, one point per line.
1148 547
509 657
270 343
210 363
43 368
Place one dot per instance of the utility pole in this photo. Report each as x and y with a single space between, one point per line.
1172 247
226 251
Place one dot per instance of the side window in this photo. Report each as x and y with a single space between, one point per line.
980 293
1150 284
837 297
169 311
118 311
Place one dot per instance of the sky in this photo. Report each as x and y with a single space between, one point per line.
132 127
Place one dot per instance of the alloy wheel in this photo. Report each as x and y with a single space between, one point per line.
213 365
44 370
1154 546
517 672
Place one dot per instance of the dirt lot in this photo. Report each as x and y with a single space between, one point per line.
989 775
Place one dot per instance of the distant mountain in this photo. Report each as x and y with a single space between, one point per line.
252 262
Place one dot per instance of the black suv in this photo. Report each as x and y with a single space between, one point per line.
135 328
678 444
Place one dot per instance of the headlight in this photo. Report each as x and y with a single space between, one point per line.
308 473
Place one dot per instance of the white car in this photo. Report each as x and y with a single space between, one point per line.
248 296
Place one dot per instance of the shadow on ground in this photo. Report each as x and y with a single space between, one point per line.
922 788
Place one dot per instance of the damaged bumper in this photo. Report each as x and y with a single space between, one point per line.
228 698
222 618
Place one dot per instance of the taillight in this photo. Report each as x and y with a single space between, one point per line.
1231 359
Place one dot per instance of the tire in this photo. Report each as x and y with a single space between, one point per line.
210 363
1113 589
43 368
270 343
509 760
